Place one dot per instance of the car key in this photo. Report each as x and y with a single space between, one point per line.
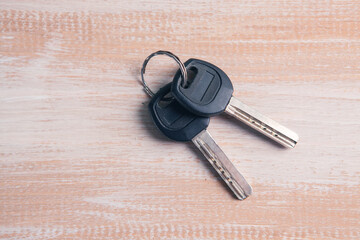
181 125
209 92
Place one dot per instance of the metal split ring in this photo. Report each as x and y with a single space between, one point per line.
169 54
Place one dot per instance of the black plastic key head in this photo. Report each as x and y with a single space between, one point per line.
173 120
207 92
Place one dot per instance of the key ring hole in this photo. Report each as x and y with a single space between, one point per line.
166 100
191 72
183 71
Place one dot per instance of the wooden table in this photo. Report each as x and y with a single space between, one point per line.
81 158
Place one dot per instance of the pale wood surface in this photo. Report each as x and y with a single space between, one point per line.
81 159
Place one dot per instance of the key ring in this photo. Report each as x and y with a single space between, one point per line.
169 54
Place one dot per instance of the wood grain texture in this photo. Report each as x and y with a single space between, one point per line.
81 159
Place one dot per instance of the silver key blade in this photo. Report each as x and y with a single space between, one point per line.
228 172
261 123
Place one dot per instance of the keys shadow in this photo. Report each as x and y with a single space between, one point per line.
238 124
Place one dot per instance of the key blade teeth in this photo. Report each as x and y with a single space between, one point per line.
225 168
261 123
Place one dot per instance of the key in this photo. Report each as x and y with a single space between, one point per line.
180 125
208 92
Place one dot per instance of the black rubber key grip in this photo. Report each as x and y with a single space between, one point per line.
173 120
207 93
